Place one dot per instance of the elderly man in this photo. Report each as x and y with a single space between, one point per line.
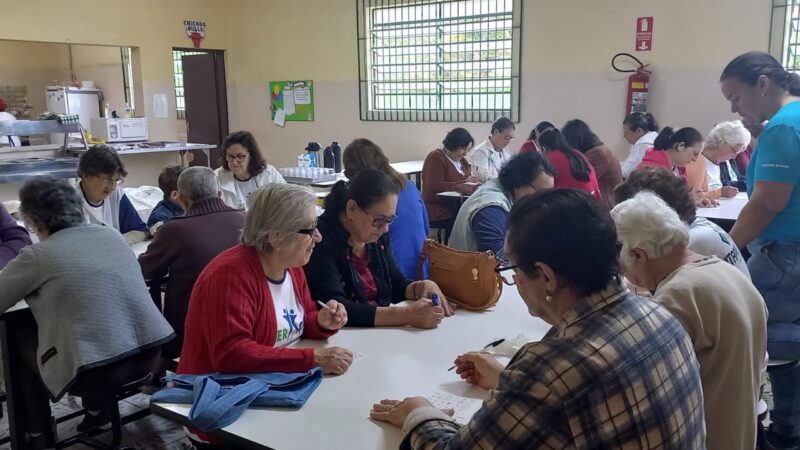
718 306
184 245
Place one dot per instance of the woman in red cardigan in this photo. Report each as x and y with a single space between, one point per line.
252 301
674 150
572 168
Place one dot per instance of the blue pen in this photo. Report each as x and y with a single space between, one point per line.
435 299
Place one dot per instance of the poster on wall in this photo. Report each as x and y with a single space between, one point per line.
291 101
644 34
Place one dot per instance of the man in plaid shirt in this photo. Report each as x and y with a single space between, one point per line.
615 371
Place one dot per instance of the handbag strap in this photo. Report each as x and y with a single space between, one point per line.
210 412
423 255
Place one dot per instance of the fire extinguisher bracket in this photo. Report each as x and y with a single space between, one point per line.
638 84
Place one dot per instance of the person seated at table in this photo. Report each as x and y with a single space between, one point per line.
446 169
674 150
532 144
169 207
711 173
705 237
243 169
96 322
640 130
719 307
184 245
251 302
572 169
606 165
355 265
101 172
488 157
409 231
481 222
12 237
614 371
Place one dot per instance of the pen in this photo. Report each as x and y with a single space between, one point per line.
435 299
490 344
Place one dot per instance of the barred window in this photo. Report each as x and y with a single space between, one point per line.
439 60
177 68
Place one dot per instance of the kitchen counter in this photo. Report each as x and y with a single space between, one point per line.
138 148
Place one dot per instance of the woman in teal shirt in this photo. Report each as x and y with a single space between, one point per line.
759 89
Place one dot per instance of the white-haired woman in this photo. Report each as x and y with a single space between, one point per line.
718 306
713 173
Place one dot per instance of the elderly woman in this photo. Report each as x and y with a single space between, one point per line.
713 173
719 307
101 172
97 325
410 230
759 89
355 264
615 371
243 169
251 302
705 237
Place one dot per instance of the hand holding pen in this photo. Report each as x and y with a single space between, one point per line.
479 368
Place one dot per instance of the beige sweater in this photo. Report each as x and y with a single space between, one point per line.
726 318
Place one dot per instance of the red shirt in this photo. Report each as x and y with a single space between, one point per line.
658 158
231 325
367 280
528 147
564 177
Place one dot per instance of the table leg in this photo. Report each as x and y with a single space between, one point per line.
11 361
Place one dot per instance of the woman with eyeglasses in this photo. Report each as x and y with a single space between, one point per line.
101 172
243 169
614 371
355 265
481 222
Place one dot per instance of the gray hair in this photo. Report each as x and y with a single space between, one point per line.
646 222
731 133
276 211
50 204
197 182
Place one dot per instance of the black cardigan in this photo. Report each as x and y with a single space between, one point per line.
331 275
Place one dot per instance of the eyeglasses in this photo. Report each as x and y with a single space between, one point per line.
380 221
504 266
110 181
238 158
308 231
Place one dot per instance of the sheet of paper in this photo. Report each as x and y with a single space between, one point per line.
288 102
464 407
161 106
280 117
302 96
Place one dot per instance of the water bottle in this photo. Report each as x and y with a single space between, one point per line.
327 157
313 149
337 157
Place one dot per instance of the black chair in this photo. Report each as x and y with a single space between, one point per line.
774 365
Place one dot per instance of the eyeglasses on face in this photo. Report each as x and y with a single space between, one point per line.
239 158
379 221
502 268
308 231
109 181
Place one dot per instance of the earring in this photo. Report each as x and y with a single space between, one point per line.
548 297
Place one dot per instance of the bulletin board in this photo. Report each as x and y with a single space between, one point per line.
294 98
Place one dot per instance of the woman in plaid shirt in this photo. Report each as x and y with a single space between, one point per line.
615 371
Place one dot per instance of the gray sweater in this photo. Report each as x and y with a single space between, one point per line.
86 292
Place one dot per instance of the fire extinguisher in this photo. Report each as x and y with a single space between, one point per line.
638 84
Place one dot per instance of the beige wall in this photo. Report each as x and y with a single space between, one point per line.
34 65
103 65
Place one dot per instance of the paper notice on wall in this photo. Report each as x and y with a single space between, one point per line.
302 96
160 106
288 102
464 408
280 117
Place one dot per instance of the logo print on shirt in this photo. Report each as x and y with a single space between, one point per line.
291 318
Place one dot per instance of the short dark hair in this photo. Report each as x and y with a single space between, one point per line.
50 204
540 128
643 120
257 163
364 154
502 124
673 190
101 159
168 179
579 136
367 188
553 141
668 137
568 230
522 168
747 67
457 138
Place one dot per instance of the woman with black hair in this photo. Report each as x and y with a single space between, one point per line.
760 89
640 130
674 150
354 264
532 144
606 165
243 169
572 168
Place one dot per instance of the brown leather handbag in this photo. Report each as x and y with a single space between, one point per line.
467 279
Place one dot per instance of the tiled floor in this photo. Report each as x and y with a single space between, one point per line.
149 433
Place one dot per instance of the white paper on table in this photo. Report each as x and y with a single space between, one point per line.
280 117
302 96
464 407
288 102
160 106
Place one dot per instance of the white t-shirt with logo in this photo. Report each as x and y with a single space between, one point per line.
708 239
289 312
244 189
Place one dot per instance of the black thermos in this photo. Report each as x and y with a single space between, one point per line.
337 157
